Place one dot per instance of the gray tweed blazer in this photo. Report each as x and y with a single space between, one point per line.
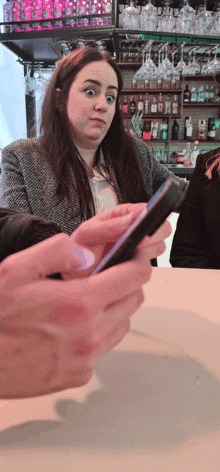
27 182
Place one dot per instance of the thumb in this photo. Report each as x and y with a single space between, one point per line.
56 254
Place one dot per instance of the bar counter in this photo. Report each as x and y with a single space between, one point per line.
153 403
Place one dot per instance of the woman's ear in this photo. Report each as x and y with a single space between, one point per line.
57 99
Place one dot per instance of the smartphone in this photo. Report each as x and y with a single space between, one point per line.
167 199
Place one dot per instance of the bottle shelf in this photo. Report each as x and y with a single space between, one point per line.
153 116
203 105
152 91
180 141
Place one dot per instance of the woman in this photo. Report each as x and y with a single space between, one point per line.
84 162
196 241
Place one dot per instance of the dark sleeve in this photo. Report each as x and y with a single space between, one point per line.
18 231
191 243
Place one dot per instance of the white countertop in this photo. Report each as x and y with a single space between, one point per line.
153 403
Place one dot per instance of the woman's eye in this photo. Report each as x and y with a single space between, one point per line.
90 92
110 99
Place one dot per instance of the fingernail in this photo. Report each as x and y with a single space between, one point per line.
86 258
128 217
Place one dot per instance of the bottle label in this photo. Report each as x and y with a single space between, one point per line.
160 107
125 108
153 108
140 106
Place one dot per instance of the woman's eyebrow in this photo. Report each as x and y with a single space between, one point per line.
96 82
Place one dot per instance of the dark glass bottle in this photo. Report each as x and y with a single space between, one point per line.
175 130
186 95
132 106
211 129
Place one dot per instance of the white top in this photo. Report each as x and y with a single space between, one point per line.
103 193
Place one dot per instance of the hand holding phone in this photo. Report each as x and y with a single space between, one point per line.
167 199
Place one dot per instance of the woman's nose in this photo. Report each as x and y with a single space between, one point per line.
101 103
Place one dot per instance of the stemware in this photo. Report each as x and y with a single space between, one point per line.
140 73
203 21
130 19
216 22
195 65
188 70
181 64
150 69
186 23
204 69
149 17
167 22
214 65
166 68
29 82
40 79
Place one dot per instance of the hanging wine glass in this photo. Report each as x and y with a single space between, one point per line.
166 67
181 64
140 73
216 21
203 21
29 82
40 79
214 65
195 65
176 74
204 69
150 69
186 22
130 20
149 17
188 70
167 22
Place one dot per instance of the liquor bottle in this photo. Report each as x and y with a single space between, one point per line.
83 9
211 129
146 84
26 15
195 153
164 130
140 105
146 105
173 82
125 106
211 93
159 83
154 130
95 9
186 94
188 128
154 106
160 104
147 130
206 94
47 14
107 8
134 82
187 156
167 106
7 15
36 14
69 10
15 14
132 106
201 130
58 11
193 95
201 95
175 130
165 155
175 105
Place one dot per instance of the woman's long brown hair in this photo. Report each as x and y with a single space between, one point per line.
59 146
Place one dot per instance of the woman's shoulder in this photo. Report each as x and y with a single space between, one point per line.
207 158
22 147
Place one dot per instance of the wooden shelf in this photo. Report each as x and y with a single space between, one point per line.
203 105
151 91
153 116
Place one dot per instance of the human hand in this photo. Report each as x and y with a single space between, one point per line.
103 230
53 333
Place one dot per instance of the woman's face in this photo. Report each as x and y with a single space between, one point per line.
91 103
